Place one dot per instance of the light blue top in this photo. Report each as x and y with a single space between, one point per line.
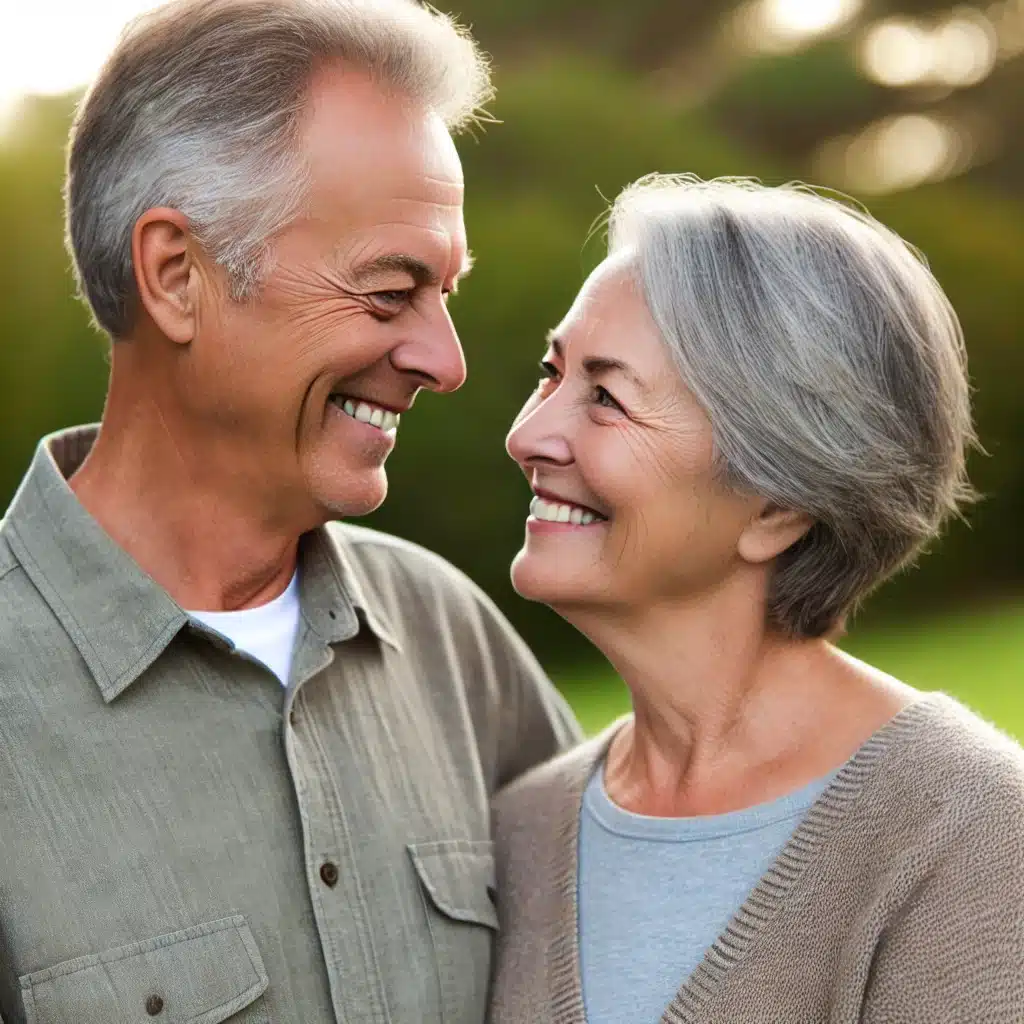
654 893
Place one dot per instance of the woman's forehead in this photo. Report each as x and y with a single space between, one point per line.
609 311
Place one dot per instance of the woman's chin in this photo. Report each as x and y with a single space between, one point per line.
537 579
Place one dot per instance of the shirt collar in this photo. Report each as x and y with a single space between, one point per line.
329 582
120 618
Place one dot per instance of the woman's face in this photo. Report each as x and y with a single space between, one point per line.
627 509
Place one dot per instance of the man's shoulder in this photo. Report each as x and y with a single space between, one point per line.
377 552
32 642
457 638
8 563
393 567
16 592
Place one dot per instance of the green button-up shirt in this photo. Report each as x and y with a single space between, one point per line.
183 841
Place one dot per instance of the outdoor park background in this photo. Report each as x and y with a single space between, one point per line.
911 106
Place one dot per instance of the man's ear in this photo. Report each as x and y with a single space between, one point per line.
165 271
771 531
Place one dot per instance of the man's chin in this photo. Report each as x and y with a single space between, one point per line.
354 499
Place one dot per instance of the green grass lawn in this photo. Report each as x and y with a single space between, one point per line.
976 656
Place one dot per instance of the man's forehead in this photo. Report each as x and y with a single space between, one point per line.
369 143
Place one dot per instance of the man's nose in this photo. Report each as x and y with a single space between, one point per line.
433 354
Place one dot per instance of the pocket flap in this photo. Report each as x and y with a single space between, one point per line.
458 875
200 975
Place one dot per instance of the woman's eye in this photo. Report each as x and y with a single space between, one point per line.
549 372
603 398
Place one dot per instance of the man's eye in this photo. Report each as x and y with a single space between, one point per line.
392 298
548 370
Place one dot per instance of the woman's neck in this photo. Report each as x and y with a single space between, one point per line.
728 714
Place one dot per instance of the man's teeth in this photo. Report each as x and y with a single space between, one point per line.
556 512
385 419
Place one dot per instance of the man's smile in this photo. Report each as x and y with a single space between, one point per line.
367 412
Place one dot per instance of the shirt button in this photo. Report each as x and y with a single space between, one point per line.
154 1005
329 874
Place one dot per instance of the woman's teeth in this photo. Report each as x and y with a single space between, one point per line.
556 512
364 412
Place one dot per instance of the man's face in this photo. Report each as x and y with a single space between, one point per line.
303 384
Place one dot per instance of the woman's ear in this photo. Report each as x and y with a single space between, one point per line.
771 531
165 271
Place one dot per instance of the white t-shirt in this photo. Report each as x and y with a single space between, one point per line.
266 632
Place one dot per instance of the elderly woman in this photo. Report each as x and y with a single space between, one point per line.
756 410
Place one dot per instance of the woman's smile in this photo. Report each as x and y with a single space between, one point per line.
550 513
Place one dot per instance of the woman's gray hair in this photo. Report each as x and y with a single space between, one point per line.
199 108
829 362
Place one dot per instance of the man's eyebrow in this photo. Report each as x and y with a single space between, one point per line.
393 262
594 366
422 274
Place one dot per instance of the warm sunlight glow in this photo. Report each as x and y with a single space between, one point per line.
783 26
966 48
896 153
1007 17
54 46
957 52
896 52
912 149
802 18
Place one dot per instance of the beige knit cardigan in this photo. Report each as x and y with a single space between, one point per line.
898 899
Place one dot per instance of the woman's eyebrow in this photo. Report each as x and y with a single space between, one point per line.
594 366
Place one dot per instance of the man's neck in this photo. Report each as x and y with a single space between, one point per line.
201 538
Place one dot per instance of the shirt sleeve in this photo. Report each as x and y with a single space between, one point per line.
953 953
542 726
535 721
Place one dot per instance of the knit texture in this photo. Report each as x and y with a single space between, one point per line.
899 899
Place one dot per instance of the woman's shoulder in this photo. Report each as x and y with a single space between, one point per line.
946 756
951 743
554 788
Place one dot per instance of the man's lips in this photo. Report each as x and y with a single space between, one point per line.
371 414
398 408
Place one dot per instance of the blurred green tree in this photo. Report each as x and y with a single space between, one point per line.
574 132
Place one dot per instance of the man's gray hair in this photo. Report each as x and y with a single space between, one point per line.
829 362
199 108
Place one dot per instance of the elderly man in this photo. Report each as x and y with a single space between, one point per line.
265 213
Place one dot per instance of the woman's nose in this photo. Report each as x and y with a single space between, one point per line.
539 435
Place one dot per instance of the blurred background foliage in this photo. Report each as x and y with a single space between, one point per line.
912 107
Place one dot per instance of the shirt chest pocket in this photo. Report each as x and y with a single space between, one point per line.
202 975
457 878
